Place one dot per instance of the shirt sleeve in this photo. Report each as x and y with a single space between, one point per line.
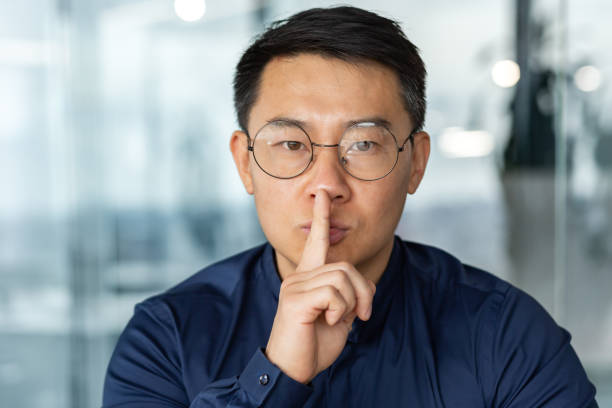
531 362
260 384
145 372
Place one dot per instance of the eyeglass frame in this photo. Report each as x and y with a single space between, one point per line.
251 144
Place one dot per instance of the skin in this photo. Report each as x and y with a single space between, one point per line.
326 286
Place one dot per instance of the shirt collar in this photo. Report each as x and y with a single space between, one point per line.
385 289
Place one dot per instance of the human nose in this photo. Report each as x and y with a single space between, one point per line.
326 173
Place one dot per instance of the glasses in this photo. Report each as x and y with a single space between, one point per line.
367 150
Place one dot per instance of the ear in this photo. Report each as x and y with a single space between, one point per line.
420 156
239 147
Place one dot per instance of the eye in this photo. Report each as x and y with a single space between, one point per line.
292 145
363 145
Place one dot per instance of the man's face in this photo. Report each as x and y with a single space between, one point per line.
326 95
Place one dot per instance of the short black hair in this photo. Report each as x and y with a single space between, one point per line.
348 33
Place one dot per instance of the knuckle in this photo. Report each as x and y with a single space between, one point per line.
352 302
338 275
367 292
330 291
286 283
282 295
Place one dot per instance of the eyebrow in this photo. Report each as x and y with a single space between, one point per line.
375 120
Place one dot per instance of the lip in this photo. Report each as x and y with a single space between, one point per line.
337 231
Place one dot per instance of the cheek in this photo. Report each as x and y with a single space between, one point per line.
263 193
383 206
385 210
274 204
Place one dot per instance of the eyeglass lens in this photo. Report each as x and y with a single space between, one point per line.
366 151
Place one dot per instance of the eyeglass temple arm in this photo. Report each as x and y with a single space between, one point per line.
249 145
411 138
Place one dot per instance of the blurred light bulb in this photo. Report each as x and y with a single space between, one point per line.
460 143
190 10
506 73
587 78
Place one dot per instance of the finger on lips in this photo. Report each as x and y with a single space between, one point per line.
356 291
317 243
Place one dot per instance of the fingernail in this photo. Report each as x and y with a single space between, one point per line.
369 312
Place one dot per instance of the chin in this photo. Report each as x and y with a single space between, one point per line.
342 252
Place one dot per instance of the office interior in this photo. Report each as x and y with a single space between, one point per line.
116 180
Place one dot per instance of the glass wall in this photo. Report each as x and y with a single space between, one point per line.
116 180
584 209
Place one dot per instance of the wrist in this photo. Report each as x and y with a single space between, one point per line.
291 372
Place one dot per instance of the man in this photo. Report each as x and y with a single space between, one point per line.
335 311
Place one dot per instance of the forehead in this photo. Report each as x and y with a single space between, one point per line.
326 91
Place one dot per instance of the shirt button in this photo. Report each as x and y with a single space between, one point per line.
264 379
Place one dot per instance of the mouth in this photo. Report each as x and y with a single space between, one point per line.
337 232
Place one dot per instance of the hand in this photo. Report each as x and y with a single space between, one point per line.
317 305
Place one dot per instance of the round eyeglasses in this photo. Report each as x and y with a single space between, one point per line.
367 151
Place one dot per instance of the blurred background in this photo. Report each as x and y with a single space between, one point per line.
116 180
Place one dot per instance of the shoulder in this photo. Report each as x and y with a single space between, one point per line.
151 353
436 268
521 355
212 291
478 294
224 275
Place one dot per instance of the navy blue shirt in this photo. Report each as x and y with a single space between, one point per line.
441 334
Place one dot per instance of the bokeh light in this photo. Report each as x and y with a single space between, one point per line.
506 73
456 142
190 10
587 78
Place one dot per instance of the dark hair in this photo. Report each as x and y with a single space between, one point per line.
348 33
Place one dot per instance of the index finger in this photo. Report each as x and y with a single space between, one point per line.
317 243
